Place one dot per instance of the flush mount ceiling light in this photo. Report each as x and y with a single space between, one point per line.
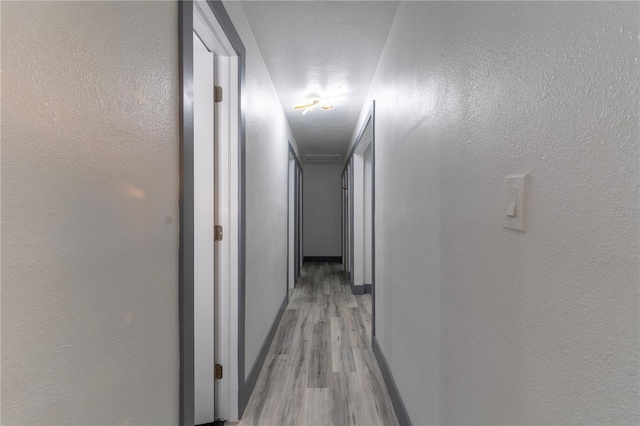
326 104
310 104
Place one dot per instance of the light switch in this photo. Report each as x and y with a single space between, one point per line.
511 203
516 189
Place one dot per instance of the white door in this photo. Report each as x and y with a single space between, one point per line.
203 221
291 219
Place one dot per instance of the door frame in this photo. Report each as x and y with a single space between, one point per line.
348 174
300 222
230 188
347 219
297 217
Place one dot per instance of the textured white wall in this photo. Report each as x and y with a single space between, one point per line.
90 213
267 156
322 209
481 325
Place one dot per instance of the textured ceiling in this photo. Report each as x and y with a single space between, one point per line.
313 47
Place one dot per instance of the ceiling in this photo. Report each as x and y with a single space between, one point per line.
311 48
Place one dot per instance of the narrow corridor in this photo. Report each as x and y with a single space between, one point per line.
320 369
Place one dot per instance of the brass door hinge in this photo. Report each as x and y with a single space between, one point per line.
217 371
217 94
217 233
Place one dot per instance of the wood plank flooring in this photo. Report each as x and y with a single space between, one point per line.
320 369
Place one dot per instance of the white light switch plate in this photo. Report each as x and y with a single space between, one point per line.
521 184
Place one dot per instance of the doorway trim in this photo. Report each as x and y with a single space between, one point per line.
215 15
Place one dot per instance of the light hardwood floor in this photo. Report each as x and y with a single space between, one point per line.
320 369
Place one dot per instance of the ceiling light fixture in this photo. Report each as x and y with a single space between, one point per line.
326 104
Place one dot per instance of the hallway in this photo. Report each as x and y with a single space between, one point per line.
476 163
320 369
